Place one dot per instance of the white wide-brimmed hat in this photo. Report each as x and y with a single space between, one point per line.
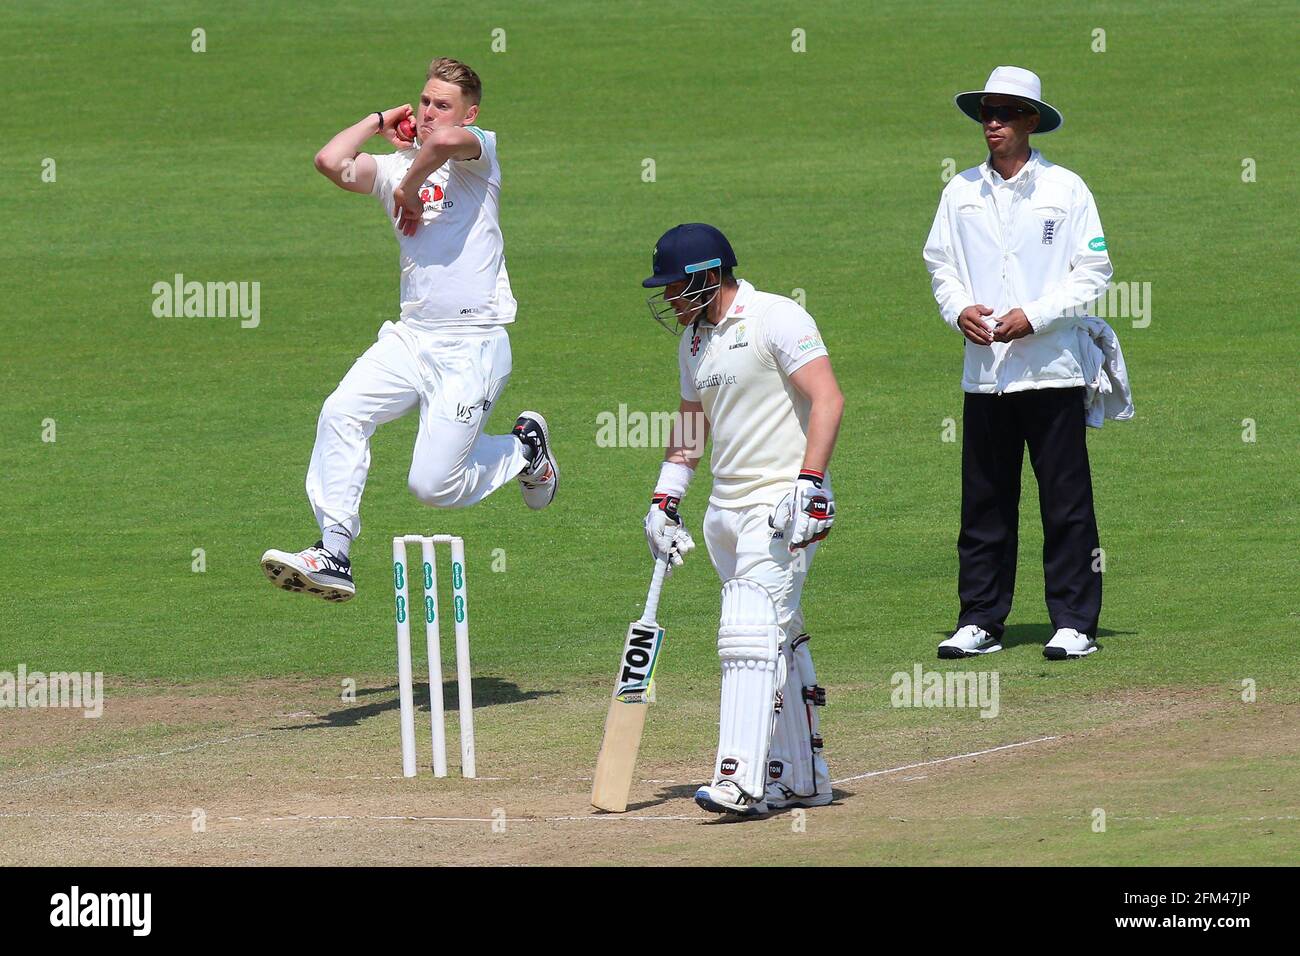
1012 81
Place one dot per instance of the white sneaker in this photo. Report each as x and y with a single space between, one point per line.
726 797
968 641
781 797
1067 642
310 571
540 477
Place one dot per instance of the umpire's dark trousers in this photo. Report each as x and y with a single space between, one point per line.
995 431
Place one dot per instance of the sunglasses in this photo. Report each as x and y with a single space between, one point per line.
1005 114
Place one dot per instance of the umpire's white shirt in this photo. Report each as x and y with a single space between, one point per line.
739 371
1033 242
454 267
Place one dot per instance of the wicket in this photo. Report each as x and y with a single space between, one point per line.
433 639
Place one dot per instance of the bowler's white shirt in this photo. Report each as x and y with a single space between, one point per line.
739 371
454 267
1032 242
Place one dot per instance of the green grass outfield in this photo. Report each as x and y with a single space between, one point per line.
824 169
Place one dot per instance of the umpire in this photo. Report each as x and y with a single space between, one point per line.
1015 254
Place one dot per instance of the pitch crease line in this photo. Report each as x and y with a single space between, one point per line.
931 763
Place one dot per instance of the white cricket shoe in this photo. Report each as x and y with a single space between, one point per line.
726 797
541 476
780 797
1067 642
311 571
968 641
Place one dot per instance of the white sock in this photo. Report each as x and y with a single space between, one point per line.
336 540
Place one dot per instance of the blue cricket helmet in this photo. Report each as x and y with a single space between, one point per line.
685 250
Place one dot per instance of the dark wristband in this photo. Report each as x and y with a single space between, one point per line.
381 120
816 477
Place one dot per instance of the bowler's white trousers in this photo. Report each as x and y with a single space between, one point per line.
455 377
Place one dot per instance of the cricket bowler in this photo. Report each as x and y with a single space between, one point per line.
447 353
755 376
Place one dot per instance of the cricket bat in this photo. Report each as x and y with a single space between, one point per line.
634 691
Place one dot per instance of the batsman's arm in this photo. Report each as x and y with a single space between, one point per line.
341 160
816 381
689 435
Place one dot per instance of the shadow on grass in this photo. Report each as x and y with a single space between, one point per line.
680 792
687 792
724 819
487 691
1040 634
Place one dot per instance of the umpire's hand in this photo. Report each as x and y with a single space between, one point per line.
971 324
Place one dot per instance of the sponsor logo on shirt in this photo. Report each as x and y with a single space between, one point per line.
1098 244
740 342
716 380
809 342
432 196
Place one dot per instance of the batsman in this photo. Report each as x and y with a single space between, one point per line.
756 377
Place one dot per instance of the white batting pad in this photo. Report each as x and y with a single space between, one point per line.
796 761
749 641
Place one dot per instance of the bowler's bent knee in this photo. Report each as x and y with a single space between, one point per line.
439 487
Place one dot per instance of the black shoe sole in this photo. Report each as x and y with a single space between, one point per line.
1060 654
956 653
704 803
288 579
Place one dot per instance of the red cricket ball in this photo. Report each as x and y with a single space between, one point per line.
406 130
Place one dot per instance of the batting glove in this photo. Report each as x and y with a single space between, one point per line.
807 512
664 532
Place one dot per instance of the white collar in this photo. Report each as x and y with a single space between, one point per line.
744 293
1027 171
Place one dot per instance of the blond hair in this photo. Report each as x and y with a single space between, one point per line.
453 71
